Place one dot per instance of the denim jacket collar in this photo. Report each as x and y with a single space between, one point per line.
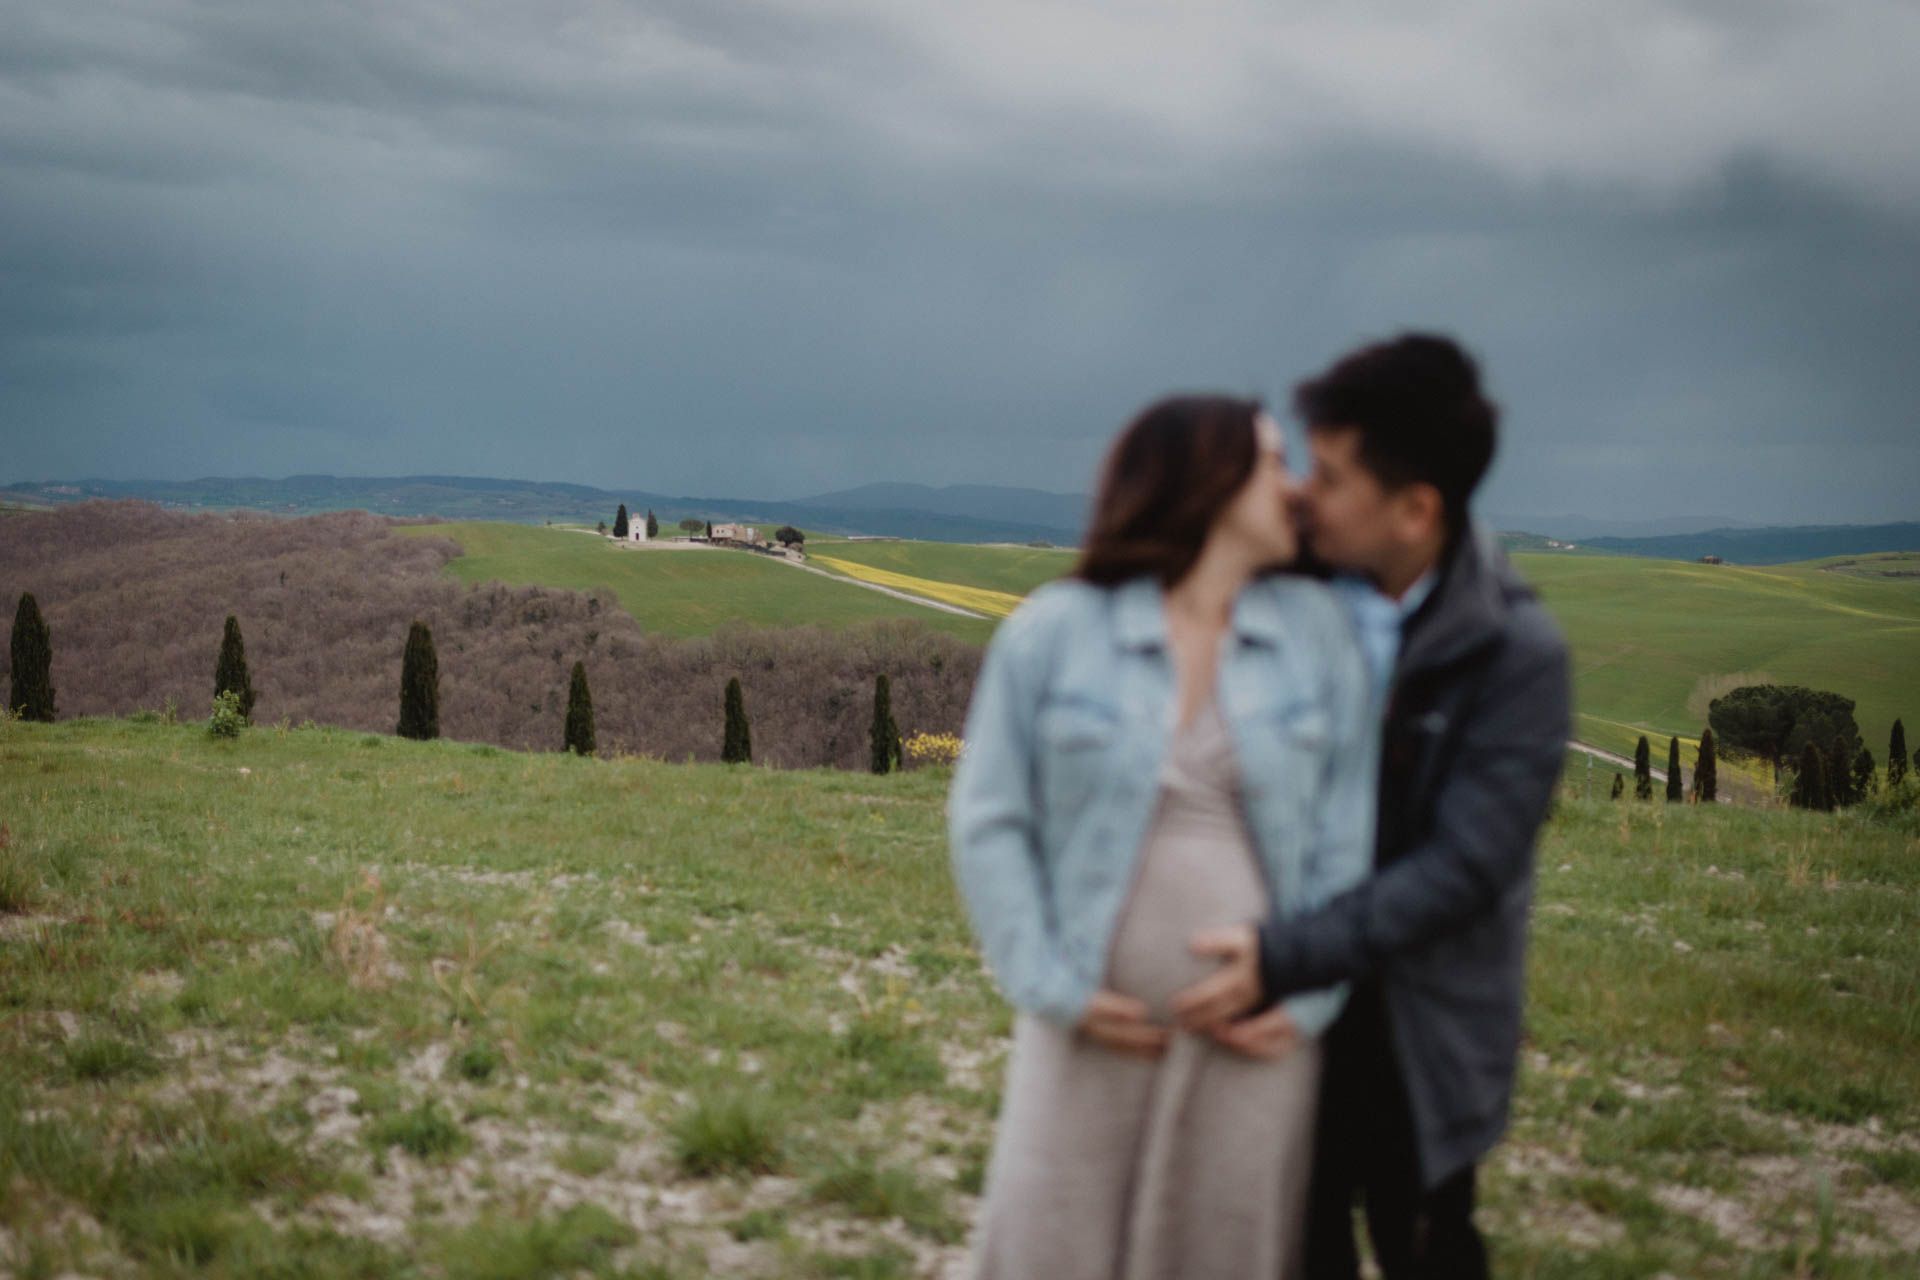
1140 615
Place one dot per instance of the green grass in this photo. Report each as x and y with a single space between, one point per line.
250 1018
1650 636
732 1133
676 593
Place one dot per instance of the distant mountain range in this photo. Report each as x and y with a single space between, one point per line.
958 513
954 513
1780 545
1567 528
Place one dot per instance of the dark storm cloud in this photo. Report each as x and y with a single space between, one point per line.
776 248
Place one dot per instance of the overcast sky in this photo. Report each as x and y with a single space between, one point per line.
773 247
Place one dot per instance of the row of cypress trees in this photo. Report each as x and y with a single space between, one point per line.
31 655
1706 772
1823 780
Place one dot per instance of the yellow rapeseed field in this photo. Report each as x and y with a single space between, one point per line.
995 604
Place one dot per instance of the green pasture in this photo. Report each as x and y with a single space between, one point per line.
314 1003
676 592
1653 640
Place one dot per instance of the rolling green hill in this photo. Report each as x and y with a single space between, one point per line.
1653 641
682 593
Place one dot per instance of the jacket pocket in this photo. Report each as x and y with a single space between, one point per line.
1076 741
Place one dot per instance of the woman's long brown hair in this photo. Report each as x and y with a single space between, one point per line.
1164 483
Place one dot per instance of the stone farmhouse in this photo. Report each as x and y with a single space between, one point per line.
738 533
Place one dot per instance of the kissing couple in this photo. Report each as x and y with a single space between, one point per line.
1245 827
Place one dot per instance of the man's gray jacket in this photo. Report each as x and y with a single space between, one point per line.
1475 736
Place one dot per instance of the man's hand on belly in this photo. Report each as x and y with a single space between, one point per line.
1228 991
1271 1035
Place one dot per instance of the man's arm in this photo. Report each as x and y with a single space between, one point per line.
1488 811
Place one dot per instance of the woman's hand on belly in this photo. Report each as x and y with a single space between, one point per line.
1119 1023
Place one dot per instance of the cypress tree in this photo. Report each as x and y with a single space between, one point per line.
1706 768
884 737
419 686
709 531
737 745
579 738
230 672
620 526
1619 787
1810 785
1839 764
1643 770
1864 781
653 526
1897 755
1674 794
31 653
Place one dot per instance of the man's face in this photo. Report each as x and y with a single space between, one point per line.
1350 520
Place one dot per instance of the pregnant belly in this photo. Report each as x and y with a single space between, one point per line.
1184 884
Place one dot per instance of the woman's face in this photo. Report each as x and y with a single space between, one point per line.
1260 516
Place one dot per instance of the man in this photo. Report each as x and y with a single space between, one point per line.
1419 1067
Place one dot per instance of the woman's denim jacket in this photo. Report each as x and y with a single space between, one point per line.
1071 718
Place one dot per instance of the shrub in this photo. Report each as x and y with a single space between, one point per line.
1619 787
227 719
933 748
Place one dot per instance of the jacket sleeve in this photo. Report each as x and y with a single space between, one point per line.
993 825
1488 810
1340 852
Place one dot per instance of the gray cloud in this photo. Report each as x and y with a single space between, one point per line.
773 248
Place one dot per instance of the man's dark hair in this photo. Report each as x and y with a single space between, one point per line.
1417 404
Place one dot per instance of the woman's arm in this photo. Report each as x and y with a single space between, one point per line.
993 825
1340 853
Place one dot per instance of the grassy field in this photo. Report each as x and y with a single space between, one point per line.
1654 640
682 592
319 1004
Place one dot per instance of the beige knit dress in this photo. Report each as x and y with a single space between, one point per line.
1191 1166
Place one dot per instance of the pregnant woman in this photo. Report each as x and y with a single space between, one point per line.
1176 737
